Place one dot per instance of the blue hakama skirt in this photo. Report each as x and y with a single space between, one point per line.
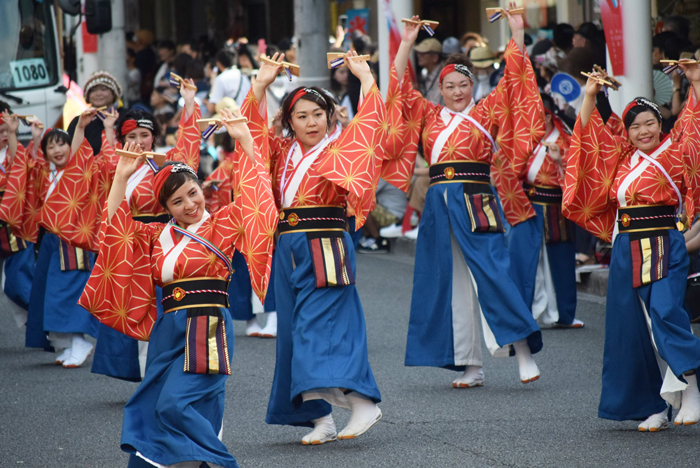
18 274
175 416
53 306
431 336
632 377
321 336
524 244
240 291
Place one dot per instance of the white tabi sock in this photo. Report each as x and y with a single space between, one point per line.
690 403
62 356
252 328
528 369
472 377
654 423
270 330
365 414
80 350
324 431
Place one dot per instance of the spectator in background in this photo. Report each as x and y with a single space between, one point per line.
471 40
133 85
679 25
101 89
482 60
584 35
163 103
451 45
246 60
658 43
287 46
180 64
429 59
230 82
391 206
145 61
562 39
188 47
166 53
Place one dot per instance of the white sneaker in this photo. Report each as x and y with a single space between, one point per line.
527 366
252 328
80 350
690 403
654 423
472 377
270 330
391 231
412 234
61 357
365 414
324 431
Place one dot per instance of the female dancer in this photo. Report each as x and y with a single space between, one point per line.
461 248
628 191
76 218
321 336
176 415
61 270
542 253
18 254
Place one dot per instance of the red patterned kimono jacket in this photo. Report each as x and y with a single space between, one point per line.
605 172
347 169
134 257
74 212
514 107
9 242
537 169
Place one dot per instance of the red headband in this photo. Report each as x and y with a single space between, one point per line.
455 67
643 103
165 172
303 91
131 125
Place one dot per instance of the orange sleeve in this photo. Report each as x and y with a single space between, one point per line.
249 223
516 205
121 292
352 161
592 164
73 212
399 159
189 140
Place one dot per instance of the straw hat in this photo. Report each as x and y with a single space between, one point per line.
482 57
429 45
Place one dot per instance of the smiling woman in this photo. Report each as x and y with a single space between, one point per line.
461 280
176 414
630 192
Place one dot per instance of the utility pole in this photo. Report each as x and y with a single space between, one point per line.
636 27
311 32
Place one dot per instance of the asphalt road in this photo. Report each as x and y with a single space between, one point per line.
55 417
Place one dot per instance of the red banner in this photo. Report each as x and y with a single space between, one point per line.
89 40
611 14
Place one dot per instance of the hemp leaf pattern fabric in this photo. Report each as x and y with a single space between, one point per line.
514 107
74 211
599 162
346 170
121 288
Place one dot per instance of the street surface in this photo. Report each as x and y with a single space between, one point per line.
55 417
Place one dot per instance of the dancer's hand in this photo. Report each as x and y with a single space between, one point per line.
410 31
127 165
517 27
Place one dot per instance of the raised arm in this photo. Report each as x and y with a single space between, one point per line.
125 168
249 222
79 135
593 160
187 147
266 76
12 123
408 38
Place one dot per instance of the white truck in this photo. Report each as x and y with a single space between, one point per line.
30 64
